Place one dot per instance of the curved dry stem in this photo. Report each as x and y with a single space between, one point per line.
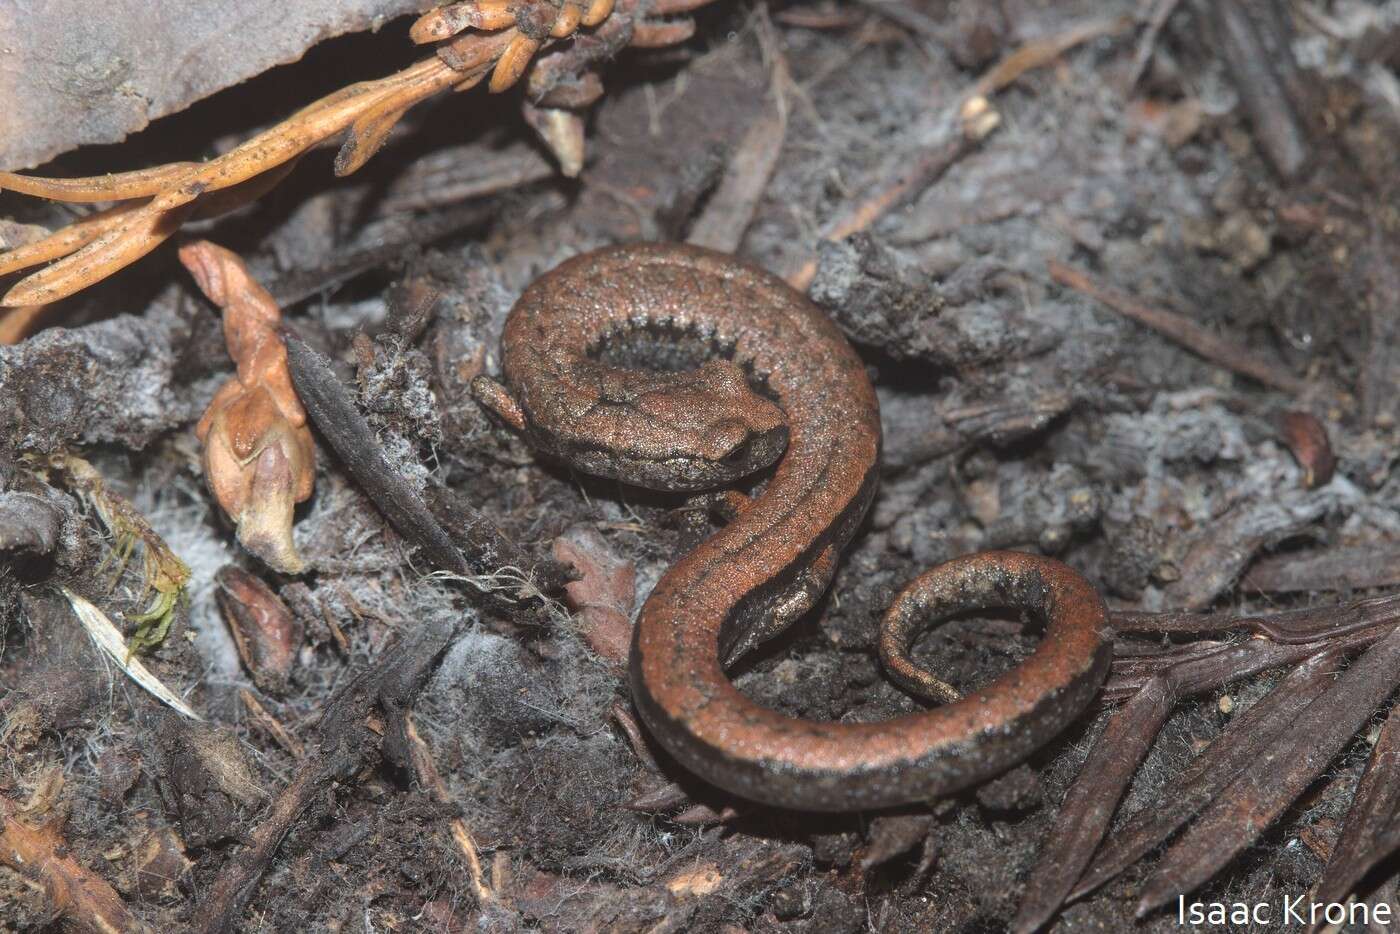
98 246
119 221
114 186
300 132
95 247
62 242
144 229
371 128
17 323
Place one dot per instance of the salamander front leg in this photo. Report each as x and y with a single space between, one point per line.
498 399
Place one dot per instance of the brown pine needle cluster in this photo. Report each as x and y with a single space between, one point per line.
532 25
259 459
505 38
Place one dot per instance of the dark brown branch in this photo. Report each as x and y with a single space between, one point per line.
1369 833
1276 778
1210 666
1246 738
1332 569
1221 552
343 744
340 422
1090 802
1254 65
1311 624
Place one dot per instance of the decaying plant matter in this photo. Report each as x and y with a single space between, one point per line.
505 40
259 459
1087 299
164 575
32 844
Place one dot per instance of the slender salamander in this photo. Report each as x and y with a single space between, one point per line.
814 413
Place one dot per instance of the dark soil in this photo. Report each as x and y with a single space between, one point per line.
1017 413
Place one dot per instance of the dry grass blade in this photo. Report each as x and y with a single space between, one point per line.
260 717
1244 740
109 639
1276 778
141 232
115 186
1090 802
1041 52
429 777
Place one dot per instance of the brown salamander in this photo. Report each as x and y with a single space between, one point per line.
815 414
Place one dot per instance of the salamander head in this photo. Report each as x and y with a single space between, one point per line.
692 430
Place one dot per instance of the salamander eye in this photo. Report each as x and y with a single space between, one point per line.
728 443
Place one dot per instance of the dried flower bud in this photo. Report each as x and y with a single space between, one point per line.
259 459
267 634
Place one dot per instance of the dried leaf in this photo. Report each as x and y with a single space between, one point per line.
605 594
107 637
